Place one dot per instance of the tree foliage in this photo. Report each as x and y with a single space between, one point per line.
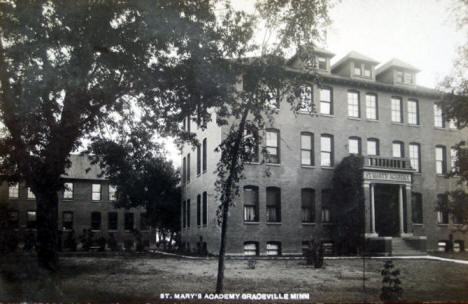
143 177
454 90
348 197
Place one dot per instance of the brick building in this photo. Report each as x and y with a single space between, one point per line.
85 203
362 107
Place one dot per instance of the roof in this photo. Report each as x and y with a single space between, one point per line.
353 55
395 63
323 51
81 168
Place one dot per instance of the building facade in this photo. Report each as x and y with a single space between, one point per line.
361 108
85 204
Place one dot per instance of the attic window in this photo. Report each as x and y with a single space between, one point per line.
357 70
399 76
408 78
367 71
322 63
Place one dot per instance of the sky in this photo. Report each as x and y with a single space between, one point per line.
419 32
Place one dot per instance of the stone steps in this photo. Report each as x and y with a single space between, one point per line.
400 247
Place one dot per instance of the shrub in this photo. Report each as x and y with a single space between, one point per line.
391 284
251 264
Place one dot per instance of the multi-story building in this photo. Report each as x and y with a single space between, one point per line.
378 112
86 203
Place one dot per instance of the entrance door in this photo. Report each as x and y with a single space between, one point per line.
387 218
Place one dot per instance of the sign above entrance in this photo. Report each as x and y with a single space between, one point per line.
387 176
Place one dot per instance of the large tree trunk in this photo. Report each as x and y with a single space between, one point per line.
228 199
47 236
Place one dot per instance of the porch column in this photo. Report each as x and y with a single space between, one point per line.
372 205
400 204
367 209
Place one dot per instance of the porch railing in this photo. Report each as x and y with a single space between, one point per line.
392 163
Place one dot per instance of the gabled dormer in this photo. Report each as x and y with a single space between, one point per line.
315 59
355 65
397 72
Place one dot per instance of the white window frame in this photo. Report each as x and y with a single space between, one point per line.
396 109
307 149
400 150
371 106
371 141
354 145
353 104
439 121
415 155
96 192
68 191
441 160
326 101
413 115
13 191
326 150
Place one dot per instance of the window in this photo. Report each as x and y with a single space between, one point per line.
306 103
13 191
30 194
397 149
144 221
354 145
326 150
31 219
413 112
408 78
371 106
441 246
95 220
112 220
251 204
326 103
353 104
416 208
188 213
251 145
357 70
13 219
184 170
415 156
272 146
68 191
326 203
67 220
96 192
198 159
204 154
308 205
112 192
188 168
205 210
442 212
372 146
273 204
397 116
453 124
129 221
273 248
367 71
199 210
399 76
441 162
251 248
322 63
453 159
439 120
307 150
184 214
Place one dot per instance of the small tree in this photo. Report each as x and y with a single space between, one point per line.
348 197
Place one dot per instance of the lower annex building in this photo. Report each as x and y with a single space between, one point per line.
86 203
376 111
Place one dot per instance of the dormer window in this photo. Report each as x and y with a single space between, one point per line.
399 76
408 78
362 70
322 63
367 71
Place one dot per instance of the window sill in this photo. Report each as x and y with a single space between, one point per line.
273 164
327 168
440 175
418 224
397 123
328 224
371 120
327 115
439 128
273 223
442 225
252 163
251 223
354 118
67 200
308 166
306 113
308 224
414 125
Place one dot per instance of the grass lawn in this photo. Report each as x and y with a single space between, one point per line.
144 278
